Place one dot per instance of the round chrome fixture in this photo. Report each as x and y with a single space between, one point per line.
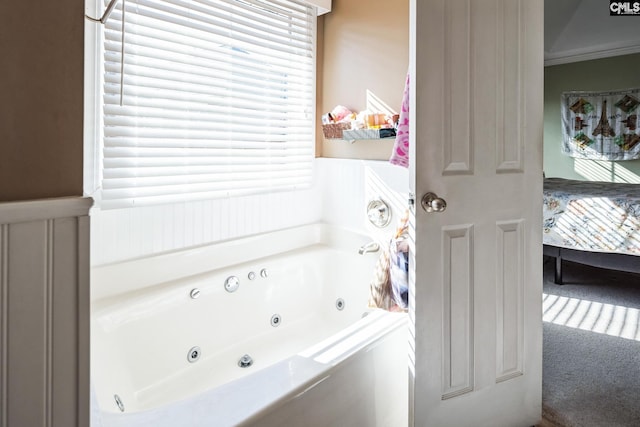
276 320
379 213
251 275
245 361
231 284
340 304
195 293
264 273
194 354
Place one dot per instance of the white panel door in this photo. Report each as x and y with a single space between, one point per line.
477 70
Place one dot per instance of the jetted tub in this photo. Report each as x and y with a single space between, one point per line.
283 338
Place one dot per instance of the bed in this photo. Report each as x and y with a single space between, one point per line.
593 223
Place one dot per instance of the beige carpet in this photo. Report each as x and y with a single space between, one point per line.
591 374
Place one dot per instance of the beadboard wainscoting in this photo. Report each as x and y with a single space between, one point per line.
338 196
44 313
349 185
121 234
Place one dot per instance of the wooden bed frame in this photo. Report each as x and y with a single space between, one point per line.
612 261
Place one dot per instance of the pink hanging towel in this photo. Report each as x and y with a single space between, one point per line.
400 155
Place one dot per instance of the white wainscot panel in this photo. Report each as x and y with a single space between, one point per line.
120 234
338 196
44 313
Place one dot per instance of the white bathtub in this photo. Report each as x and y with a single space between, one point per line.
314 365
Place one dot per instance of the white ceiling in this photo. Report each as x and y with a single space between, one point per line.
579 30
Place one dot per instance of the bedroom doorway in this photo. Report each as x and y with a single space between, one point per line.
590 329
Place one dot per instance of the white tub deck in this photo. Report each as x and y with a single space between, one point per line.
144 323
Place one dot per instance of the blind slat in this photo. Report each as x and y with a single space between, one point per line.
263 91
175 171
202 180
211 113
197 26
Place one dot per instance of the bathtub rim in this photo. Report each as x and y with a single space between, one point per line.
121 277
399 319
235 413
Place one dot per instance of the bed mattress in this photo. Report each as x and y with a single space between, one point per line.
592 216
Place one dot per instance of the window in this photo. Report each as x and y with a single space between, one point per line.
206 99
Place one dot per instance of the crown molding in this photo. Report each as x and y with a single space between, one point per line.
590 53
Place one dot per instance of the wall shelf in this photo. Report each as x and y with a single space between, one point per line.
353 135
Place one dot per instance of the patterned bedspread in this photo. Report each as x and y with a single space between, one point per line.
593 216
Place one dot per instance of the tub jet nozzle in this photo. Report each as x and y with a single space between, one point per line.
245 361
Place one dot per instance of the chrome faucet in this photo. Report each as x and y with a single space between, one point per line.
369 247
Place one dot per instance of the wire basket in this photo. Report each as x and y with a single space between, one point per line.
334 130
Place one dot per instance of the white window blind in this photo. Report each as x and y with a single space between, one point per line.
216 99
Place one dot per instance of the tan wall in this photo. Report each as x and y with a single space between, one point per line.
365 48
41 93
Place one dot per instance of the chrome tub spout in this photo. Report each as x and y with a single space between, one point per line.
369 247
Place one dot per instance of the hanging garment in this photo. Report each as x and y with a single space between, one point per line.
400 154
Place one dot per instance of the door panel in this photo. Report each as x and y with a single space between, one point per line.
457 309
458 143
509 303
477 272
509 87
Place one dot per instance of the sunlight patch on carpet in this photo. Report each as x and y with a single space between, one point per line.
609 319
